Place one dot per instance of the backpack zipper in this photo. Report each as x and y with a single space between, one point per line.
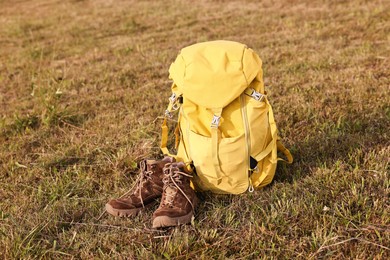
248 139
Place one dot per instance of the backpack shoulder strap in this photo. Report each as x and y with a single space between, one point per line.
173 105
285 151
275 140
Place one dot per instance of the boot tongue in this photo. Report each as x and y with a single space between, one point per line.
168 159
177 167
161 163
170 193
149 164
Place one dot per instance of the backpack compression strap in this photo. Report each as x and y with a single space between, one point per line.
275 140
215 139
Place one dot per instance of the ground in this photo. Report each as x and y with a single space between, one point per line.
83 86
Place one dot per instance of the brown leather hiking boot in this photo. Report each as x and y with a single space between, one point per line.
148 189
178 200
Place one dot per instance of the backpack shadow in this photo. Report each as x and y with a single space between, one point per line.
347 142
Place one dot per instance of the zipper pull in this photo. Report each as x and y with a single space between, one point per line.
250 188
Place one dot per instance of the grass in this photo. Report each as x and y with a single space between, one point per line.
83 84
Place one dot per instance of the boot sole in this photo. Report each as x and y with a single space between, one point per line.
164 221
125 212
122 212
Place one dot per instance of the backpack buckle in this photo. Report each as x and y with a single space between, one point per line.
257 95
215 121
175 101
168 114
172 98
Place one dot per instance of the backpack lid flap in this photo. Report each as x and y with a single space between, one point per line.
213 74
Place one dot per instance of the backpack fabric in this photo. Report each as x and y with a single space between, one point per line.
226 132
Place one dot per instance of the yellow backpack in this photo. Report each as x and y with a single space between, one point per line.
226 132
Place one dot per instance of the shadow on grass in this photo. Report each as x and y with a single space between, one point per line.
347 141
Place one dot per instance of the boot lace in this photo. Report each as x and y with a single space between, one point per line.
144 176
171 181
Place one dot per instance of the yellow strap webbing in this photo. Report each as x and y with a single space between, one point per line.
274 139
285 151
215 139
177 135
164 138
265 152
273 129
279 144
172 106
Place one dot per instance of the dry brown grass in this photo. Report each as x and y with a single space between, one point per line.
82 83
